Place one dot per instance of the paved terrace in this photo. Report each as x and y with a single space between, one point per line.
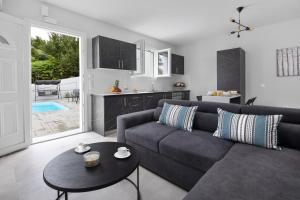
47 123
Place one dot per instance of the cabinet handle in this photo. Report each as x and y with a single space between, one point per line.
125 102
119 64
122 64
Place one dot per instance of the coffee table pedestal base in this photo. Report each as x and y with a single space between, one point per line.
60 194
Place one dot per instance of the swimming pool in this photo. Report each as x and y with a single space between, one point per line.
47 107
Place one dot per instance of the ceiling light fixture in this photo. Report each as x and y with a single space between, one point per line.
241 27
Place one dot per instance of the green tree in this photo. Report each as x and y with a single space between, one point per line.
38 43
55 59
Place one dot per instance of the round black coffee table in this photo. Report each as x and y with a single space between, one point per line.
67 174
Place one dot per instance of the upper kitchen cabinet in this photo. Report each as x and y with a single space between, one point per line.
177 64
106 53
163 65
128 56
113 54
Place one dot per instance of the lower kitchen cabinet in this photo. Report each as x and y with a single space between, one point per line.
133 103
106 108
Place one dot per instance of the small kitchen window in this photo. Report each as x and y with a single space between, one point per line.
162 66
145 60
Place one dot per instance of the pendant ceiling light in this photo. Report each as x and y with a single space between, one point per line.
240 27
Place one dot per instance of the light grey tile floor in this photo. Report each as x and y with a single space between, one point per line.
21 175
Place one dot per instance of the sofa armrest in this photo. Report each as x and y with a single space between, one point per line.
133 119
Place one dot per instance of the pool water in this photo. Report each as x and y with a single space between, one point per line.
47 107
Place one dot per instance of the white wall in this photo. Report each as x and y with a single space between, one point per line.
260 46
99 80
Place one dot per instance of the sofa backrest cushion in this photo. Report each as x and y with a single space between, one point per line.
259 130
174 102
206 117
289 127
177 116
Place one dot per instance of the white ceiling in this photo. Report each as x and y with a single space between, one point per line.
182 21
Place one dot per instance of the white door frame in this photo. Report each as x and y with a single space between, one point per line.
27 64
82 68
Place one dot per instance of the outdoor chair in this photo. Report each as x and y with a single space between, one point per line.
75 95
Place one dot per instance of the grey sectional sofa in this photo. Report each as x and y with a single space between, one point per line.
215 169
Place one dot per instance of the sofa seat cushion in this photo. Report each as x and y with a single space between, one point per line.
248 172
148 135
197 149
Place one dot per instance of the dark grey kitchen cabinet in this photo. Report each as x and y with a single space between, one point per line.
106 53
133 103
128 56
113 106
119 105
113 54
167 95
177 64
106 108
231 71
185 95
181 95
150 100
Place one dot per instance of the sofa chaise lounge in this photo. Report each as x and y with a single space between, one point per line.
211 168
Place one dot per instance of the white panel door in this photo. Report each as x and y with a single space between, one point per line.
13 81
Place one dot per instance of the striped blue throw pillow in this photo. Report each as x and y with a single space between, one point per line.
178 116
260 130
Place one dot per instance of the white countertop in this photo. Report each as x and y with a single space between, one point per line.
224 96
132 93
222 99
